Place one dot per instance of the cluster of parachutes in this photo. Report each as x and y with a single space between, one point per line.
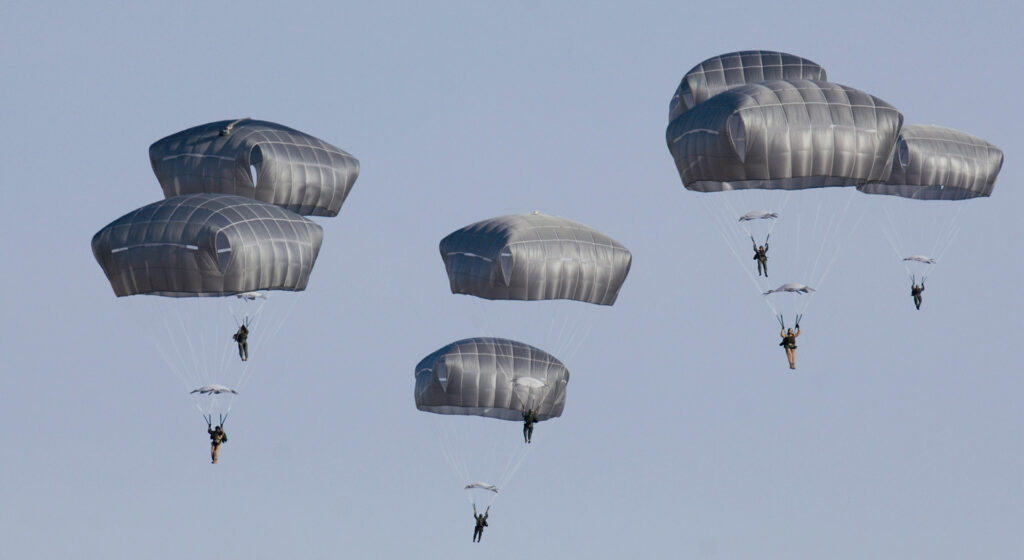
525 257
770 121
232 221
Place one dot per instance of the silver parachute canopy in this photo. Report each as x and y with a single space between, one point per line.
936 163
719 73
784 135
791 287
920 258
535 257
758 215
214 390
491 377
207 245
257 159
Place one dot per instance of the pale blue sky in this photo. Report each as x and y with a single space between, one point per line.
684 436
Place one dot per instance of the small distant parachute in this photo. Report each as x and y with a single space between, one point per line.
256 159
725 71
252 296
535 257
530 382
791 287
759 215
920 259
214 389
493 378
482 486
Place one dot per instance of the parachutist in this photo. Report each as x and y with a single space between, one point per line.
217 437
761 256
915 291
242 338
529 418
481 522
789 343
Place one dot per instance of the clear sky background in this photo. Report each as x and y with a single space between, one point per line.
685 435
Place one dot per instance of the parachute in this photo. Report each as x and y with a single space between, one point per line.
535 257
214 390
784 135
791 287
936 163
935 171
196 250
257 159
723 72
493 378
207 245
487 379
758 215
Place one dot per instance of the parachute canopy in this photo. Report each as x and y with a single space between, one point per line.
535 257
784 135
920 258
214 390
936 163
759 215
257 159
791 287
485 377
207 245
482 486
719 73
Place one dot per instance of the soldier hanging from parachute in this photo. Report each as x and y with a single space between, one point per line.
789 340
761 255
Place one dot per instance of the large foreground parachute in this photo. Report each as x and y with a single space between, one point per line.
491 377
784 135
719 73
207 245
535 257
936 163
258 159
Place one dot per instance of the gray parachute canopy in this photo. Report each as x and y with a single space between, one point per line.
535 257
293 169
722 72
491 377
936 163
784 135
207 245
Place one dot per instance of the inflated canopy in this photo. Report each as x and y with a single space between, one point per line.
292 169
784 135
758 215
207 245
719 73
491 377
214 390
535 257
936 163
920 258
791 287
